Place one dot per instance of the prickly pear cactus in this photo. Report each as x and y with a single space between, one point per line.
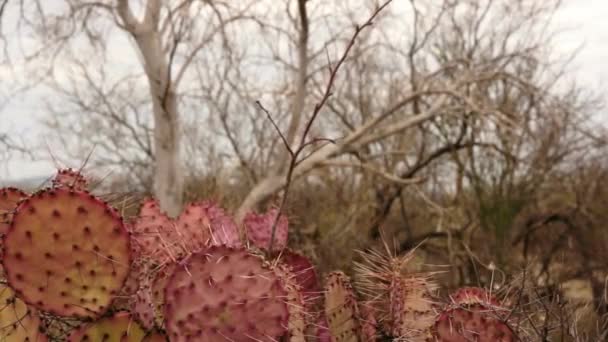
412 309
403 300
474 295
474 322
225 294
70 179
118 328
341 309
9 197
203 224
304 272
155 336
18 322
148 302
369 324
155 235
321 330
67 253
259 229
296 306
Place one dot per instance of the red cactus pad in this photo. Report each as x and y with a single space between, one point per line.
17 321
304 272
142 305
474 322
9 197
155 235
341 308
204 223
369 324
259 229
322 331
225 294
117 328
224 230
474 295
71 179
67 253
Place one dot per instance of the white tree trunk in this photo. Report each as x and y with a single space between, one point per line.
168 177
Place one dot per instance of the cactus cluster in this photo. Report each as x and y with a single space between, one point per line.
74 269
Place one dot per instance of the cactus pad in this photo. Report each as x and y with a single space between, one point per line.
474 322
369 324
117 328
304 272
155 235
66 252
70 179
473 295
322 333
155 336
402 300
259 229
9 197
341 308
204 223
411 308
147 304
17 321
225 294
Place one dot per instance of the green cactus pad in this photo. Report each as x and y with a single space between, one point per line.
118 328
225 294
18 322
66 252
70 179
341 308
474 322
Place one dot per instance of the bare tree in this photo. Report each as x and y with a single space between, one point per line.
166 36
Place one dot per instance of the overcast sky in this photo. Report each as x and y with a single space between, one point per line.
584 21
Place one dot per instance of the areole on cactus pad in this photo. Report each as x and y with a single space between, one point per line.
66 252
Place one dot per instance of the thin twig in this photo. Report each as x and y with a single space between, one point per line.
317 109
